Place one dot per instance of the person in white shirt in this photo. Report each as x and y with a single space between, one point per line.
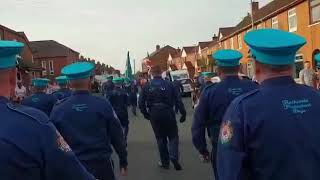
20 91
307 75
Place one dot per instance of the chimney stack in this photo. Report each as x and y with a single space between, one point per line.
214 37
157 47
255 7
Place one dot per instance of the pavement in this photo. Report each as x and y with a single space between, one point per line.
143 153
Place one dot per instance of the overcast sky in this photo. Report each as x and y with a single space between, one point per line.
106 29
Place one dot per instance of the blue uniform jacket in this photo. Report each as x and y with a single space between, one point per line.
32 149
119 101
213 103
90 126
204 85
41 101
62 93
168 96
132 91
272 133
107 87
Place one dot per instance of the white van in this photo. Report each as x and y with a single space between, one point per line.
184 78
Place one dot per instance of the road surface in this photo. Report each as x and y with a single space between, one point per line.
143 154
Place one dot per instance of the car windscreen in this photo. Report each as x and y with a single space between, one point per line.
179 76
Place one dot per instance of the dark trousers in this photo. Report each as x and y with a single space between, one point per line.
214 160
125 132
102 170
165 128
213 133
134 109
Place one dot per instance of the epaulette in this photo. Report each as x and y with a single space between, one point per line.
34 114
210 86
61 101
242 97
53 92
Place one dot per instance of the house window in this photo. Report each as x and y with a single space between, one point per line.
299 63
275 23
232 45
44 67
240 41
32 60
250 69
225 45
292 19
33 74
51 68
314 11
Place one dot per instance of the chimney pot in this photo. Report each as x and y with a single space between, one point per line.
157 47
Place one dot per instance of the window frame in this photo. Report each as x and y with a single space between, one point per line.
51 68
300 60
232 43
239 37
294 29
310 13
274 21
44 66
250 69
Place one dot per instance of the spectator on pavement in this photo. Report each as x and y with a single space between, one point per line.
307 75
20 91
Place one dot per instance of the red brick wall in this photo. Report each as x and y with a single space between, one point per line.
9 35
58 64
73 57
26 53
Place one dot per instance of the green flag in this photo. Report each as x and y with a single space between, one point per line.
128 72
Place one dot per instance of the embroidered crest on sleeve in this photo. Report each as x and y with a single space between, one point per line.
62 144
226 132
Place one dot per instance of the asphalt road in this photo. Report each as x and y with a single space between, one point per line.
143 154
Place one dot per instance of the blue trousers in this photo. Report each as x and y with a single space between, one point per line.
100 169
165 128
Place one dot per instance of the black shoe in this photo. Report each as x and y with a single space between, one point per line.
177 165
162 166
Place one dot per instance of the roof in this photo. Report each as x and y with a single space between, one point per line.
176 54
163 53
190 49
204 44
272 7
226 31
172 50
189 65
267 11
173 67
21 34
213 42
49 48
